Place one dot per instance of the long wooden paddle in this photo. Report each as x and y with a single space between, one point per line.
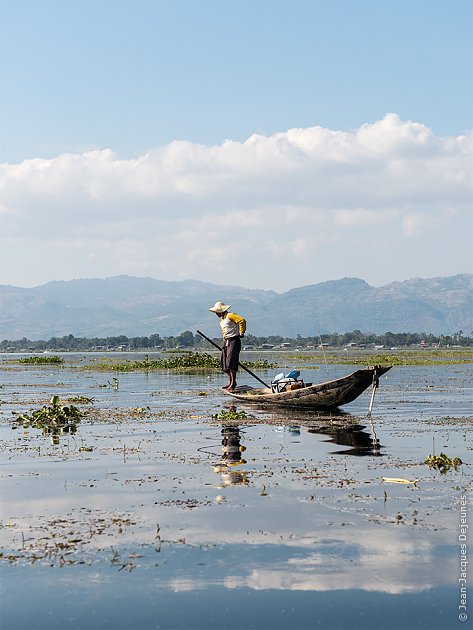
240 364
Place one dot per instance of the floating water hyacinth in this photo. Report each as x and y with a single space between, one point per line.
43 360
55 415
442 462
189 360
230 415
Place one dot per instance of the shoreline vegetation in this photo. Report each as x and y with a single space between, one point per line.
189 360
188 341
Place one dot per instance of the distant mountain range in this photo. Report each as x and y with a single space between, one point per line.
125 305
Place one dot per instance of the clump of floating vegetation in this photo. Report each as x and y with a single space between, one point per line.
42 360
81 400
405 357
260 364
229 415
54 419
181 362
443 462
408 358
189 360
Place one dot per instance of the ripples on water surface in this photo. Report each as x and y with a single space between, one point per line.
155 515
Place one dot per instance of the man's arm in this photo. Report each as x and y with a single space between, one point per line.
241 321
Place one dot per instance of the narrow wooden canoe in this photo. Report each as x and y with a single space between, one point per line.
328 395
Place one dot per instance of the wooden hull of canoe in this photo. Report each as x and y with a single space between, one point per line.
328 395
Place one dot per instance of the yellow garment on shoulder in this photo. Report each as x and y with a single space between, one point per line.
232 325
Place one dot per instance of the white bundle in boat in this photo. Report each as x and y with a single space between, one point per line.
283 382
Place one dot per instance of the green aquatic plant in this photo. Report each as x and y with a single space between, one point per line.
396 357
442 462
189 360
82 400
54 418
42 360
229 415
400 358
186 361
260 364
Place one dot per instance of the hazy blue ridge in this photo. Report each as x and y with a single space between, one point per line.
142 306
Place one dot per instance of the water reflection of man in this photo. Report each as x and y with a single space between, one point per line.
231 457
56 432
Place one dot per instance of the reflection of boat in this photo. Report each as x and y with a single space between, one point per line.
328 395
351 435
341 428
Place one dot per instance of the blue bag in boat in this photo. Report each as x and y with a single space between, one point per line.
281 381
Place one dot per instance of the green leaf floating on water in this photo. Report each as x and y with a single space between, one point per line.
443 462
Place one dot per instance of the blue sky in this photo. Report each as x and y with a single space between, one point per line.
113 84
131 76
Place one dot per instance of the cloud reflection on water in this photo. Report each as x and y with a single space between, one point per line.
307 532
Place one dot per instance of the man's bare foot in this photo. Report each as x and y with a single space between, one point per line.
226 387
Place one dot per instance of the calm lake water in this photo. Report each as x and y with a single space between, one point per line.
155 514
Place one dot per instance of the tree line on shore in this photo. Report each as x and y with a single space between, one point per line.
187 340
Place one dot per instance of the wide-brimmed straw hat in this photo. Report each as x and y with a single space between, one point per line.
219 307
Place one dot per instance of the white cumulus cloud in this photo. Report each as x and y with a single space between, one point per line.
327 203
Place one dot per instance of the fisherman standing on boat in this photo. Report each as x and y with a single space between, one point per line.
233 329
